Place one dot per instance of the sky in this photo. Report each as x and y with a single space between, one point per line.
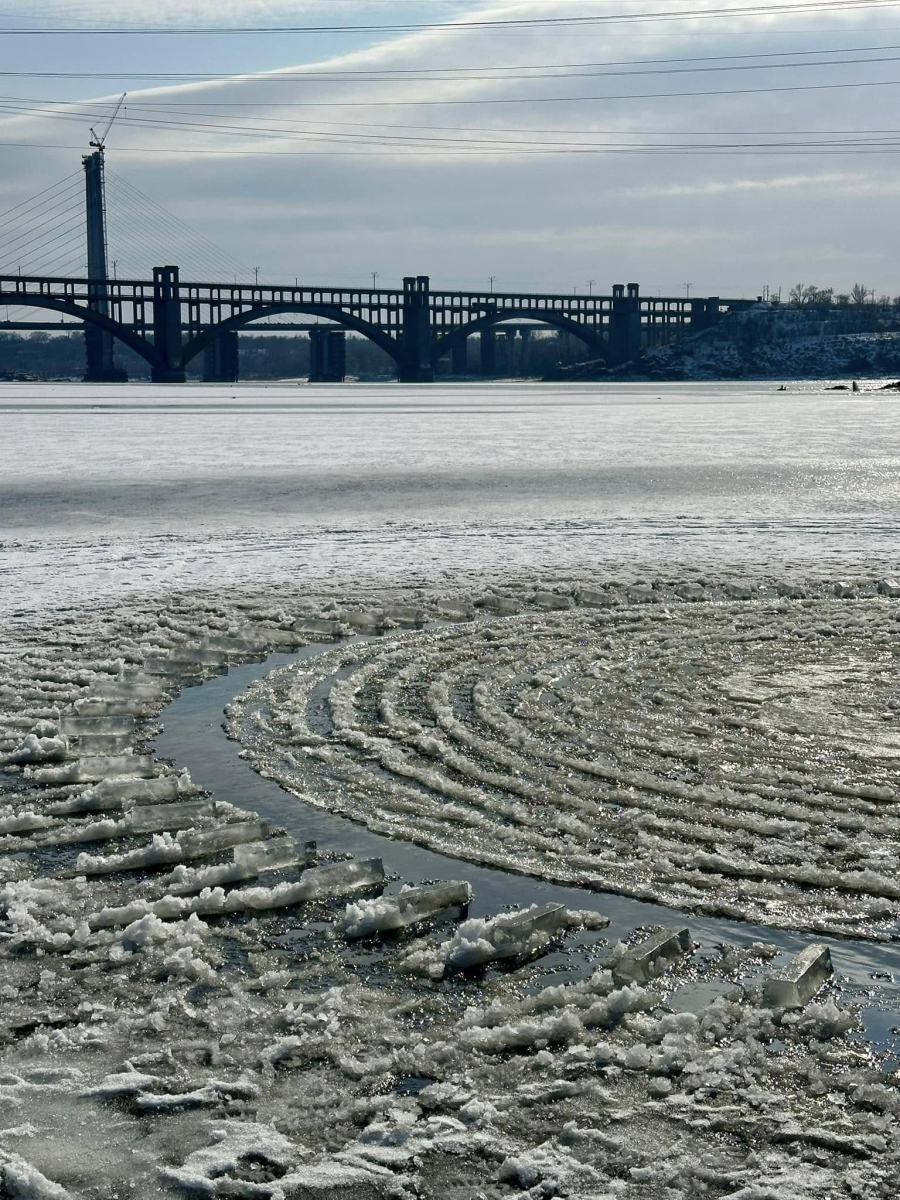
674 143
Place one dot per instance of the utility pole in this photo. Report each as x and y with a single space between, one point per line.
591 283
491 279
687 290
374 277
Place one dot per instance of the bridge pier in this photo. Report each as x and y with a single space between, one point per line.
459 358
625 324
526 350
221 358
488 352
327 355
169 365
416 365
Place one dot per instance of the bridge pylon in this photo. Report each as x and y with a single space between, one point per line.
167 343
98 343
416 365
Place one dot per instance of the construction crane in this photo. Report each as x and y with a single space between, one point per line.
100 142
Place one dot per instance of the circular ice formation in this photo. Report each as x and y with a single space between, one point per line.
735 758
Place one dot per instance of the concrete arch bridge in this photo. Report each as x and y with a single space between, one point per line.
169 322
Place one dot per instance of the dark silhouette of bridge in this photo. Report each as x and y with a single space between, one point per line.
170 322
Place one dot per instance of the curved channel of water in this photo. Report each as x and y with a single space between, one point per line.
193 737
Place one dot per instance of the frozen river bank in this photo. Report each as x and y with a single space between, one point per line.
591 678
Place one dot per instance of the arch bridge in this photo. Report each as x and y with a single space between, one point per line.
170 322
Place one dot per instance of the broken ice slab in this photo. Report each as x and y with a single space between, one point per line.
888 587
112 795
403 614
285 639
250 860
91 770
844 590
317 627
737 591
362 620
514 935
165 851
95 745
72 725
499 604
639 594
154 818
184 664
140 688
454 610
794 985
408 908
150 818
591 598
552 601
648 957
316 884
692 592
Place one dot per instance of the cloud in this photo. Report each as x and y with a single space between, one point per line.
359 181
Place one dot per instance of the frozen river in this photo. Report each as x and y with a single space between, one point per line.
139 488
625 653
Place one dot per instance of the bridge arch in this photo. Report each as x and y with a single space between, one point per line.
81 312
444 345
197 344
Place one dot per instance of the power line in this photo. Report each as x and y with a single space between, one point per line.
439 74
807 6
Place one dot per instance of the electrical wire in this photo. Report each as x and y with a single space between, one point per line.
571 22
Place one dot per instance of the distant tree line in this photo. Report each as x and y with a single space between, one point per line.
808 295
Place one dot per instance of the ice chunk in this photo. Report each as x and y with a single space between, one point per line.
165 850
82 726
39 750
362 620
250 860
795 984
90 770
737 591
455 610
402 614
477 941
691 592
639 594
21 1181
317 627
642 961
336 879
591 598
397 912
154 818
499 604
889 587
552 601
111 795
